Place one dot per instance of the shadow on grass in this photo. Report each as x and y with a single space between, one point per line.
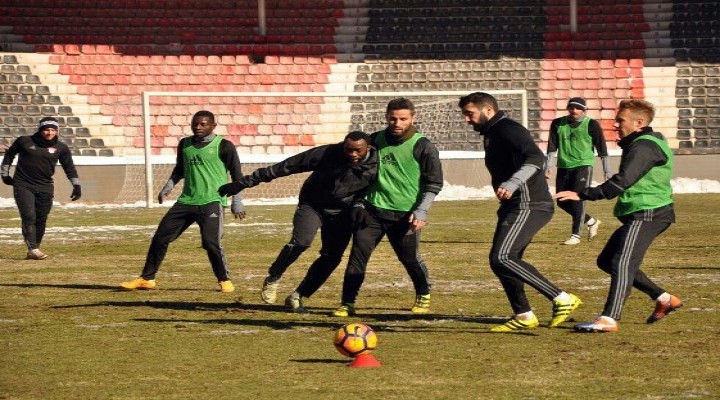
321 361
113 288
335 323
272 324
692 268
380 321
456 241
181 305
60 286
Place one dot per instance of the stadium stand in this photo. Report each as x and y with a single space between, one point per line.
89 62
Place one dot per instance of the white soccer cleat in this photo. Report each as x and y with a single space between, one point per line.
593 229
269 290
574 239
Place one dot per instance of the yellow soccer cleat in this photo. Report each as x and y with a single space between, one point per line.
344 311
226 286
515 325
562 310
422 304
139 283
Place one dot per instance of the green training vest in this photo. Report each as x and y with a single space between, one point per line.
575 145
397 186
652 190
204 174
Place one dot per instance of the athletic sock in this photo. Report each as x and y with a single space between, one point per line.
665 297
562 297
525 316
591 221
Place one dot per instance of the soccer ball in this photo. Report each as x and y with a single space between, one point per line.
355 339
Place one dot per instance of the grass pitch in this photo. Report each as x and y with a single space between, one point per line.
67 332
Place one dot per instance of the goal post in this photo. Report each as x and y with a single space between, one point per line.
269 126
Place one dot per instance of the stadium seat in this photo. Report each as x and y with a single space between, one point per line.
28 122
74 122
32 110
37 99
18 131
48 111
16 110
697 102
82 132
702 143
11 121
7 69
701 133
683 134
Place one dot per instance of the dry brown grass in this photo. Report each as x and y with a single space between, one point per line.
66 332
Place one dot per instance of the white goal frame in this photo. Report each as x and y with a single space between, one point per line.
147 116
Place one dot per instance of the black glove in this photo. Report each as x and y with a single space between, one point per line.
8 180
231 189
76 193
359 216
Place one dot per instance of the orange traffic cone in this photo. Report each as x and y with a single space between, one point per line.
365 361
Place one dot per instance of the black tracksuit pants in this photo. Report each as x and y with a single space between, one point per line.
335 235
621 258
34 207
404 242
180 216
576 180
514 231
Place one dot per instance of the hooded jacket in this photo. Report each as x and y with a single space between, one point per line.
334 183
37 158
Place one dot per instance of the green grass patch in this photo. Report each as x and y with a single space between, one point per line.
67 332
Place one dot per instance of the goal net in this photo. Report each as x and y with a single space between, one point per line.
267 127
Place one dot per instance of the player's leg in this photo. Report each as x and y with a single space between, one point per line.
364 242
25 201
306 222
178 218
335 235
622 258
406 244
583 180
523 317
513 234
43 205
210 218
572 179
